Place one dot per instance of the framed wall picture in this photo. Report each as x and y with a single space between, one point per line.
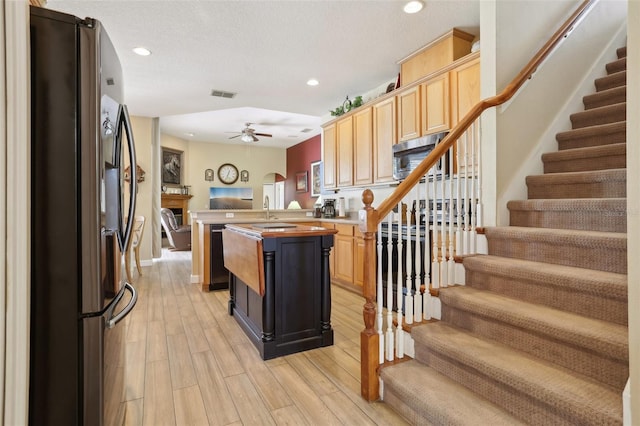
301 182
171 167
316 178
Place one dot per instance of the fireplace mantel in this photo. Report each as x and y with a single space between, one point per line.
177 201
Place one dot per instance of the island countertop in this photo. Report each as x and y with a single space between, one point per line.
279 230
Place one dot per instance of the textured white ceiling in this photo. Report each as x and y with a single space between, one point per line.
265 51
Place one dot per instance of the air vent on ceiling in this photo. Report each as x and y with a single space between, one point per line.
222 94
305 130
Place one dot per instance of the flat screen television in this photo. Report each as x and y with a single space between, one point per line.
225 198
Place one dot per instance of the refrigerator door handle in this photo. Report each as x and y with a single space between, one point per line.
124 121
112 320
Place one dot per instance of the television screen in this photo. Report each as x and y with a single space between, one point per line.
224 198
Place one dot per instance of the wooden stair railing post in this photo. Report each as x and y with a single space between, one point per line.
369 338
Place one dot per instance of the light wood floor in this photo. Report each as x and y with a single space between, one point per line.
189 363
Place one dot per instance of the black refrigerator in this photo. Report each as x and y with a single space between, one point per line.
81 142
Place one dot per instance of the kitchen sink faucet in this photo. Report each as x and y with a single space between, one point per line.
266 205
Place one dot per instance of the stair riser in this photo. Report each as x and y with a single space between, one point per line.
596 366
523 406
586 304
605 138
586 221
594 117
607 189
604 99
586 164
611 81
588 257
404 409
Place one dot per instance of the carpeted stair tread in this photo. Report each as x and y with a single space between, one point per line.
422 388
600 115
611 183
611 156
595 335
597 283
593 136
617 66
585 400
596 214
606 97
612 80
621 52
568 247
598 294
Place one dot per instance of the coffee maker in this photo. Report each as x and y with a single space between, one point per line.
329 208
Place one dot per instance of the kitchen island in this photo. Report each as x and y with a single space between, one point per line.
280 287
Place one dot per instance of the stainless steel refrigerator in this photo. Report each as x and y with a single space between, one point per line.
81 142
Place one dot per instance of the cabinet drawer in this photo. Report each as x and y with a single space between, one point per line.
343 229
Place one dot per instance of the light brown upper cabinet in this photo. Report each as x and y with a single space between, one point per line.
409 114
435 105
384 137
344 138
465 89
329 155
363 146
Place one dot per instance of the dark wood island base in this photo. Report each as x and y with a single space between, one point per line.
280 288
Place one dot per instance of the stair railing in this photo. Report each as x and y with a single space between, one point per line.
444 194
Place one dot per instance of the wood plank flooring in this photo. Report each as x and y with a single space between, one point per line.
189 363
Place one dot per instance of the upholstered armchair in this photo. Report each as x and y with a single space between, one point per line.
179 236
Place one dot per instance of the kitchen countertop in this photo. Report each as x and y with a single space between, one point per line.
279 229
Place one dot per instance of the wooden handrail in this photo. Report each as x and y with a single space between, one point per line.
369 339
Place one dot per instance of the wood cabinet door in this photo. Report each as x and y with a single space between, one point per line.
465 94
344 257
363 147
465 89
384 137
329 155
435 105
409 114
344 158
358 273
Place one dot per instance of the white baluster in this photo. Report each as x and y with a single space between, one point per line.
379 296
408 306
417 296
389 334
435 270
442 260
399 286
426 256
450 222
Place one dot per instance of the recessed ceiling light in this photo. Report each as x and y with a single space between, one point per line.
142 51
312 82
190 134
414 6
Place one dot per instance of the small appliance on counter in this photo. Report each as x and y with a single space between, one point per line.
329 208
342 210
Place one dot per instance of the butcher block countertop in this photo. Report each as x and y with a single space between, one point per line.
279 230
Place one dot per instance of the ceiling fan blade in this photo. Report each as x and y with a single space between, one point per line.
266 135
254 138
234 136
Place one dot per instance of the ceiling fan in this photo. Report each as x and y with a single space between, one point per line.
249 135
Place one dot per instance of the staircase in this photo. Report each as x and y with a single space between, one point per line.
538 335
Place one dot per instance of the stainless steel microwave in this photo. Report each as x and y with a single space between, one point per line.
408 155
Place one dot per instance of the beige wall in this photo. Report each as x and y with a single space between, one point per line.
199 156
142 134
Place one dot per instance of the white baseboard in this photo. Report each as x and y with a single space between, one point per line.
195 279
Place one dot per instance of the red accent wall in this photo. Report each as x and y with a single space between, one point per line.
299 159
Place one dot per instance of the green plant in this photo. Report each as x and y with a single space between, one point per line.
337 112
357 102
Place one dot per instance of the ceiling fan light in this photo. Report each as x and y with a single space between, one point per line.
246 138
414 6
